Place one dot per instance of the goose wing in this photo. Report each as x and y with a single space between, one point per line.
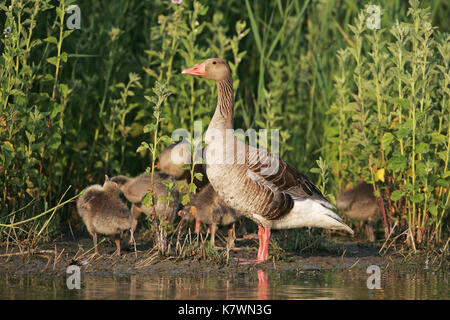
282 182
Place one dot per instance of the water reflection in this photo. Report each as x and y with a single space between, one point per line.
261 284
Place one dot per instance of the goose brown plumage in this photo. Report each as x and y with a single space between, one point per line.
103 212
135 188
258 184
209 208
360 203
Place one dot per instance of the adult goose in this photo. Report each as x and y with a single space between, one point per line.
103 212
135 188
258 184
209 208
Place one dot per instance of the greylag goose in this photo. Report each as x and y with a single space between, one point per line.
210 209
254 182
135 188
103 212
360 203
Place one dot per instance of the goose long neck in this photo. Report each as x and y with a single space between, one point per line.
223 116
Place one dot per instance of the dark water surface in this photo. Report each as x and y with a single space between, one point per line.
311 284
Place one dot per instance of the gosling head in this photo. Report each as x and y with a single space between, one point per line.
213 69
120 180
109 185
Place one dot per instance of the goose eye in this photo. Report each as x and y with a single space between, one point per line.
214 62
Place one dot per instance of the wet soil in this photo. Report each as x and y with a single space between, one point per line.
53 259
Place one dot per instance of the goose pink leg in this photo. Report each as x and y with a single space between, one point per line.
264 240
263 250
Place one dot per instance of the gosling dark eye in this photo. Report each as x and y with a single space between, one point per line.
214 62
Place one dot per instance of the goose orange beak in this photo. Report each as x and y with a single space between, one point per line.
198 70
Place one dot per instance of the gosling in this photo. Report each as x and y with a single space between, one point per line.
136 188
103 212
210 209
174 157
360 203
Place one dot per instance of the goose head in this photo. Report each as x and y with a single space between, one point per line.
212 69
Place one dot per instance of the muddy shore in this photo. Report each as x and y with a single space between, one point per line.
53 258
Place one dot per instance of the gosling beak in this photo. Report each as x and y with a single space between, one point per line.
198 70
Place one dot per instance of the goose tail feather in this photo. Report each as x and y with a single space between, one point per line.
312 213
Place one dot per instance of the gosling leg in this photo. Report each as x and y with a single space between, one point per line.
94 239
135 213
231 236
213 234
117 241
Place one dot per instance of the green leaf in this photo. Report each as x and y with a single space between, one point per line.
54 142
48 77
443 155
422 147
433 209
143 147
147 200
64 57
192 187
30 137
150 72
67 33
418 197
53 60
420 168
443 182
64 89
396 195
387 140
198 176
150 127
51 40
186 167
57 108
185 199
437 138
397 164
402 102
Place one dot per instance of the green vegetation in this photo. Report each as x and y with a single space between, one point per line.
370 104
389 123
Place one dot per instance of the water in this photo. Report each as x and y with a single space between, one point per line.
311 284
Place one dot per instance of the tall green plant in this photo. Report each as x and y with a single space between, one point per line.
397 135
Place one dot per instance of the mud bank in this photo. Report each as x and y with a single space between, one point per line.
54 258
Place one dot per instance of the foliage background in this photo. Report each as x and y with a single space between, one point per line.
73 102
